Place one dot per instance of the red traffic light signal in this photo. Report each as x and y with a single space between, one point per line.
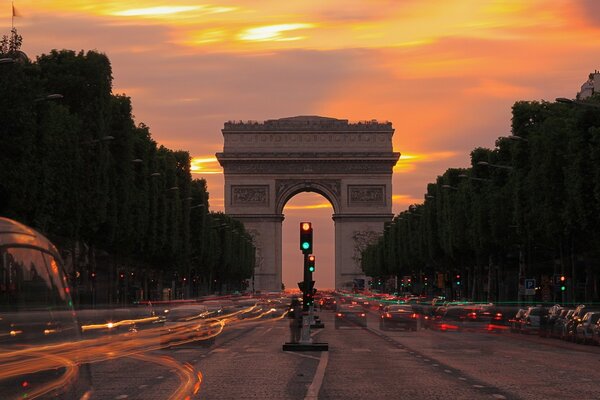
306 237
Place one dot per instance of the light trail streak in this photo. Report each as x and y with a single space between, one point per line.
69 355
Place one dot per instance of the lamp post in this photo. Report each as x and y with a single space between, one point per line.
472 178
449 187
487 164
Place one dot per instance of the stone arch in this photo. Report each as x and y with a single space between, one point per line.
267 163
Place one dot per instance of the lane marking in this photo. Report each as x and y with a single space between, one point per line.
303 355
361 350
315 386
123 396
462 379
160 377
142 386
498 396
447 371
478 386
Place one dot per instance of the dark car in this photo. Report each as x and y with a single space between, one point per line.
532 319
571 325
471 318
398 316
327 303
559 328
350 315
584 330
515 322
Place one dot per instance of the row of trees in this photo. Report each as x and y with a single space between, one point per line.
527 209
125 211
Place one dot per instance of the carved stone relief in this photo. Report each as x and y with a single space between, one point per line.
361 195
250 195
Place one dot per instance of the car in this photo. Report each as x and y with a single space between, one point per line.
516 321
328 303
471 318
596 333
559 329
583 330
189 323
547 322
350 315
398 315
571 325
532 318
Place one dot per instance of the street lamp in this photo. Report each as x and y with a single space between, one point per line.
155 174
198 206
517 138
54 96
137 161
465 176
485 163
449 187
7 60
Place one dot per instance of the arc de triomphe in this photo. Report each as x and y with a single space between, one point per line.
350 164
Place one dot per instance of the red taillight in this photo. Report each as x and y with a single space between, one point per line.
362 314
338 314
388 315
414 315
498 316
472 315
426 317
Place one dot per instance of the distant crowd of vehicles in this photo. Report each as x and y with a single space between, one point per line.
580 324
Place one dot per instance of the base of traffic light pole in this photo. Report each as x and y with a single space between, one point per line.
315 322
305 343
305 347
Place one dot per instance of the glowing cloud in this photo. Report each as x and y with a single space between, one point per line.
203 166
408 162
156 11
272 32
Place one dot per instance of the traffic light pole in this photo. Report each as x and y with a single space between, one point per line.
306 343
307 281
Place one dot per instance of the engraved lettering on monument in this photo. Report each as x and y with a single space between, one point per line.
366 195
246 195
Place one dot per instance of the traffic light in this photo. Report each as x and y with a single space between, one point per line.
457 279
563 286
306 237
311 263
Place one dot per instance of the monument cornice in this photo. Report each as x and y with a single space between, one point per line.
306 156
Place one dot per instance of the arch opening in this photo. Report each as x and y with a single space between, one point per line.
314 207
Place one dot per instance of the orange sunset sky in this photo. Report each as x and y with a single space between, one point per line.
445 73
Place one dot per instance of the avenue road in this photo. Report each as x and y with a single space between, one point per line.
247 362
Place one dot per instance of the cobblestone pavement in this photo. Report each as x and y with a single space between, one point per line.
363 365
520 366
247 362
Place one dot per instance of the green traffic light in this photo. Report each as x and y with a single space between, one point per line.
305 245
563 288
311 269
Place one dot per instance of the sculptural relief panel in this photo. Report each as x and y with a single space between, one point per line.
366 195
250 195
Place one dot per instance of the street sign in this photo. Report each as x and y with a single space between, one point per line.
529 287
